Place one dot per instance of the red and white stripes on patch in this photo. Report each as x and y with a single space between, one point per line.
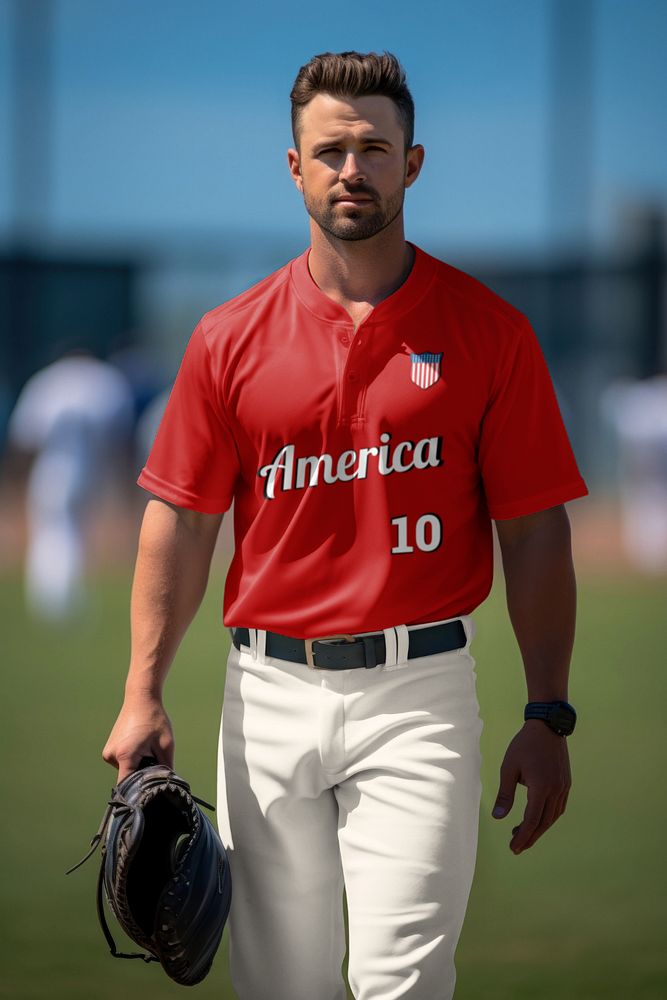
425 369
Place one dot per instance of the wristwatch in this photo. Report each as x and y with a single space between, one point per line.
558 715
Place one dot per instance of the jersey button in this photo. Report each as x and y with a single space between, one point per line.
344 339
353 376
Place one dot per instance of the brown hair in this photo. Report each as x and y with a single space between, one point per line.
353 74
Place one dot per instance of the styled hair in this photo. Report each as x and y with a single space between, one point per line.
353 74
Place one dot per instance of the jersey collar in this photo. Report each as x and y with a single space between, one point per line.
404 298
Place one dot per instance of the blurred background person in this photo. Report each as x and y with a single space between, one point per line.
75 416
636 410
144 367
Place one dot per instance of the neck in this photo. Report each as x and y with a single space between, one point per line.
360 271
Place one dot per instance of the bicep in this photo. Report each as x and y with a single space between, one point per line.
162 515
513 529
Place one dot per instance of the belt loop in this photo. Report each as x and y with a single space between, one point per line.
391 646
403 643
252 639
261 644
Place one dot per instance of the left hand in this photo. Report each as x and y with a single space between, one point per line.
538 758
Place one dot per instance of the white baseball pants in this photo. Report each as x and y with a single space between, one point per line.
367 779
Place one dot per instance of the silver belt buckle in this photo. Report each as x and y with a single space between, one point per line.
308 643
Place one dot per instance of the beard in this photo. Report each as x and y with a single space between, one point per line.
348 223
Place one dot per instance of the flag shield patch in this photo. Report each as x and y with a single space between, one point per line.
425 369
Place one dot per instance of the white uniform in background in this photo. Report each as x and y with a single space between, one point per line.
637 410
72 414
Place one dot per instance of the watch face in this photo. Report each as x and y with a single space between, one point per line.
563 718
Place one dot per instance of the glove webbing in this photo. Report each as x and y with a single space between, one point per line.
116 806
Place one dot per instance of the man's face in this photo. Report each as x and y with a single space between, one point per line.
353 148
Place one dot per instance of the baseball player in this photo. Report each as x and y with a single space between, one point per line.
75 417
636 411
370 410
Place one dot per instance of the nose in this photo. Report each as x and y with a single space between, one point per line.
351 169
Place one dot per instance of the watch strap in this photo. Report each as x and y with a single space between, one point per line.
538 709
548 712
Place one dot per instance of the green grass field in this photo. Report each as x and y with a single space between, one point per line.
580 915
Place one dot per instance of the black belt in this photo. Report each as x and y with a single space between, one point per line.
341 652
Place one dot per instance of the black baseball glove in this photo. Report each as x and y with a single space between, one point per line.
164 872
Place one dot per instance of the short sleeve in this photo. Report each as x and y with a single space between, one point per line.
194 460
525 457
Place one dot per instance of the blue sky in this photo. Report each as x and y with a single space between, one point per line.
172 116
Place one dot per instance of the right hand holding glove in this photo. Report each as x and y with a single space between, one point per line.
142 729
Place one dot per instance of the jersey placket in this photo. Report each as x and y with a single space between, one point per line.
353 375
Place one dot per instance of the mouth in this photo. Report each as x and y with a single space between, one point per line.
354 200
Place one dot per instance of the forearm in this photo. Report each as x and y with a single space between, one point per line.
541 600
170 578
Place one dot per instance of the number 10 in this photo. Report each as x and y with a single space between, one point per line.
435 531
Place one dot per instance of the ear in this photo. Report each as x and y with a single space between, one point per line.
413 164
294 164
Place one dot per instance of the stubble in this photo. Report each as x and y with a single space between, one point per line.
348 223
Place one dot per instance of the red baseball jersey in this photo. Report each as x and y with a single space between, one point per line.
365 467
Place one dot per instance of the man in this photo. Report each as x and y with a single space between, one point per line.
75 416
636 411
369 409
